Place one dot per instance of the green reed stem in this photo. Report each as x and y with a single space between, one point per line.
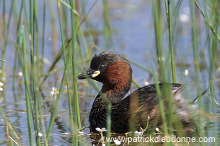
36 38
169 20
69 6
157 12
213 58
195 38
72 124
158 36
161 106
43 35
107 25
55 106
75 22
26 83
35 70
67 62
208 22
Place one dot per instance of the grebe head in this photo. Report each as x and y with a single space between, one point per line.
111 69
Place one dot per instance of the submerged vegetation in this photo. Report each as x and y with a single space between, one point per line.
45 44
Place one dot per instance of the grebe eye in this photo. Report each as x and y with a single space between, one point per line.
102 66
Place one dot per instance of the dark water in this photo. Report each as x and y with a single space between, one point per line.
133 36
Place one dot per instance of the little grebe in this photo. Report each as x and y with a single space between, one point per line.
140 107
